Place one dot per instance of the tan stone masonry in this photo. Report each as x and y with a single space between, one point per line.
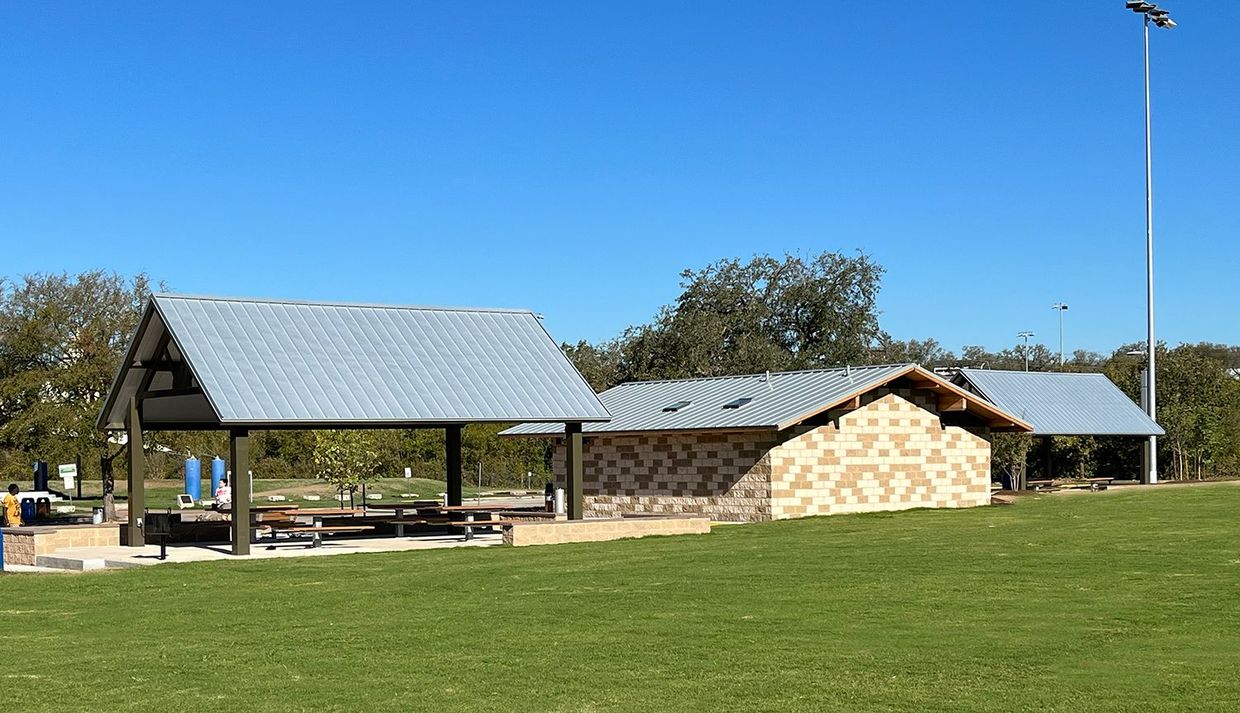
23 544
891 453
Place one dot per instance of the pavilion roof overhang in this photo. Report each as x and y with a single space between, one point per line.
213 363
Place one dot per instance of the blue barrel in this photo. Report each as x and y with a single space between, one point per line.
217 474
193 478
28 510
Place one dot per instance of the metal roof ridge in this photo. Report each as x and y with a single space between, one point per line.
325 303
1037 373
763 374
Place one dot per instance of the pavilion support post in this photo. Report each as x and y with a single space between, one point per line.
239 452
573 468
137 475
1047 466
452 444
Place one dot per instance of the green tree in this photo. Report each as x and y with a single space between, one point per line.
61 339
736 317
347 459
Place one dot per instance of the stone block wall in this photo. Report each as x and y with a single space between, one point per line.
553 532
892 453
23 544
725 476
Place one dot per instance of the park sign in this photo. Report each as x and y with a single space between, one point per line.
68 474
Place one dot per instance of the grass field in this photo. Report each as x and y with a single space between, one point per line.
1093 602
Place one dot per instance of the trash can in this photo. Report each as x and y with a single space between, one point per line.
193 478
217 474
28 511
561 503
96 516
43 509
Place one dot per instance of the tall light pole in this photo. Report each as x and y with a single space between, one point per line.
1025 336
1150 13
1060 308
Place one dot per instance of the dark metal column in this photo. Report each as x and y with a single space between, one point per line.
573 468
452 444
239 450
1046 445
137 475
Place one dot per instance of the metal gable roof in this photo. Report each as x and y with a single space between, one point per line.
1061 403
287 363
778 400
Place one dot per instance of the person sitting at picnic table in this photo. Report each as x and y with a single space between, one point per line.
12 508
223 496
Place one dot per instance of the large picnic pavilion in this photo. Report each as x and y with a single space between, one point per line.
242 365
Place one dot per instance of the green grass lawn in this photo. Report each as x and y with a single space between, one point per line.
1092 602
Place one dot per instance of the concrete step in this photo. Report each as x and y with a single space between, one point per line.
73 564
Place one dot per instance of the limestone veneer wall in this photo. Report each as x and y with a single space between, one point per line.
892 453
23 544
554 532
725 476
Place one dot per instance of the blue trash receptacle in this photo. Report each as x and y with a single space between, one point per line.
28 510
193 478
217 473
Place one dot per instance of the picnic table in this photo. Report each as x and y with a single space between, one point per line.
286 522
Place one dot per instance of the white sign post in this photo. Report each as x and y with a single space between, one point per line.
68 474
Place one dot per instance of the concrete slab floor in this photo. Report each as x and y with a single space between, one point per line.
122 557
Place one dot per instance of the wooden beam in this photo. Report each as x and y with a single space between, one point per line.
164 393
574 467
952 402
158 365
136 505
239 452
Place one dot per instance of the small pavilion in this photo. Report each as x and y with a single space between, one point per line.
1059 403
241 365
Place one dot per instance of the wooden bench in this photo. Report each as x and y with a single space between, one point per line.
316 532
1099 483
444 522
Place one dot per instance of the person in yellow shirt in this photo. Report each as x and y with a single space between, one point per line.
12 508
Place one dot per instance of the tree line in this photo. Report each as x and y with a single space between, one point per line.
62 338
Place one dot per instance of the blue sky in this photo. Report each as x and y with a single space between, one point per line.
575 157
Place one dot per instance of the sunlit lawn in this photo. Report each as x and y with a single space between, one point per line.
1094 602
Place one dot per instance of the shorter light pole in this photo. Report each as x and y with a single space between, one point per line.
1060 307
1025 336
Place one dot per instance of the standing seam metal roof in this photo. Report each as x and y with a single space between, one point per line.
779 400
1062 403
270 362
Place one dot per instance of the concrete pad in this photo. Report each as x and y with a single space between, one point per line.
91 558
